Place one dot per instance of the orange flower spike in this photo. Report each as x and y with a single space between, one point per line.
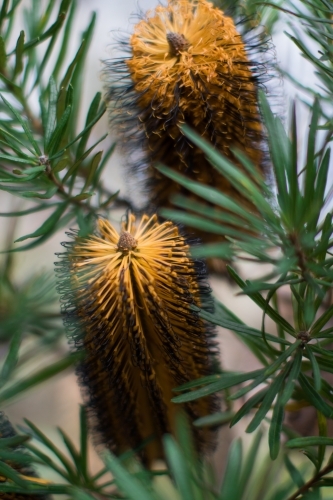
187 64
128 302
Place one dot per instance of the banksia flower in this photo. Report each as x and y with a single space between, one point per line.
128 300
187 63
25 471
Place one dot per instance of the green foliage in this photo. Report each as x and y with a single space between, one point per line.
316 17
29 326
304 240
192 480
47 159
71 467
252 12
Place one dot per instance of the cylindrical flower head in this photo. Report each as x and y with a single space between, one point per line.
187 64
128 300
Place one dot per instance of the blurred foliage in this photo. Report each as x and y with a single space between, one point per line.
27 307
250 13
314 38
47 160
191 480
30 332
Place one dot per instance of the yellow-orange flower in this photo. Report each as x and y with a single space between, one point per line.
185 46
187 64
128 298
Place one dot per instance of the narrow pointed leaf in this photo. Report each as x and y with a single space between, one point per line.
125 481
230 484
304 442
48 225
314 397
179 468
249 405
12 357
315 368
51 113
3 57
214 419
36 378
19 55
267 402
24 125
223 383
275 428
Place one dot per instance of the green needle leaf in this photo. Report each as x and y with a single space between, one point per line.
59 132
179 468
36 378
230 485
93 110
19 55
304 442
275 428
3 57
126 482
83 441
250 403
24 126
226 380
8 472
52 29
315 368
48 225
51 113
214 419
12 357
314 398
267 401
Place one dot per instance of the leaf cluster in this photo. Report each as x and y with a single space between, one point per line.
71 466
295 239
45 157
192 479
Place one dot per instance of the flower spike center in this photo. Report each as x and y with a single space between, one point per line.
177 43
126 242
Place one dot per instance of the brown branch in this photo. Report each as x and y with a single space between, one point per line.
301 259
303 489
53 178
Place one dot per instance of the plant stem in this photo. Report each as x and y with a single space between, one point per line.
316 478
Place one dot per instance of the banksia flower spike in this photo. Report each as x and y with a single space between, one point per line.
128 301
26 472
187 63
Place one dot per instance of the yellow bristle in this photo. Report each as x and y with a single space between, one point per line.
129 299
